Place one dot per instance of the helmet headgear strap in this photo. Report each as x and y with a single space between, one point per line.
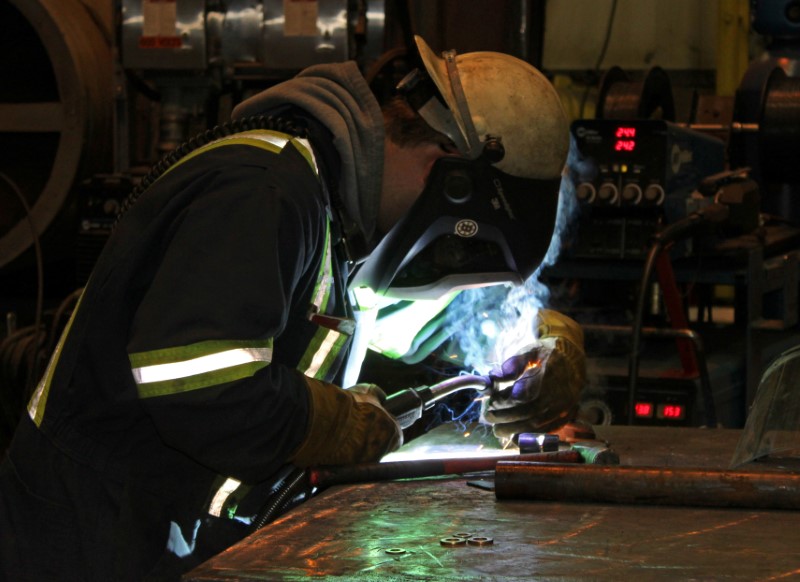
474 144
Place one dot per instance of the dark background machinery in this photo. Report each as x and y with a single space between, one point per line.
720 185
97 91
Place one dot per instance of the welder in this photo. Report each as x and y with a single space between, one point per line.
208 349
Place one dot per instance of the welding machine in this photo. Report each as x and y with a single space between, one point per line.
634 176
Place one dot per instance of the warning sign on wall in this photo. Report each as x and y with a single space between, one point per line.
300 17
159 24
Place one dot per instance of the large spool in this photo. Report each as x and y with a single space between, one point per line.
56 104
772 140
650 98
779 128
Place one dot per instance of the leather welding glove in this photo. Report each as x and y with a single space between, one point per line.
346 426
542 382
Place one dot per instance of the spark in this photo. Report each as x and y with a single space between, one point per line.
533 365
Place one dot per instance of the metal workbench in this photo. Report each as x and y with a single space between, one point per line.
393 530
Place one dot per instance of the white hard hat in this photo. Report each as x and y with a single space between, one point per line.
498 102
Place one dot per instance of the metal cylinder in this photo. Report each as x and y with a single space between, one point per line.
647 485
779 135
55 113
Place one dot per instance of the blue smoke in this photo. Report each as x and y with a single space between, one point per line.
493 323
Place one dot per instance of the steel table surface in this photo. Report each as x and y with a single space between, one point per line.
392 530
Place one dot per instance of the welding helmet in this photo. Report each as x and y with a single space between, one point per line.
772 429
487 217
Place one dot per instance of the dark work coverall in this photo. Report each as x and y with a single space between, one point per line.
143 469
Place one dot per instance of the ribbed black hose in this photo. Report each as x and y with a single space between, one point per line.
294 483
281 124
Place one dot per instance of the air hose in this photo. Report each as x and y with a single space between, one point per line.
283 124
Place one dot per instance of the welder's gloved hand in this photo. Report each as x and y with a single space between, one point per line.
544 381
346 426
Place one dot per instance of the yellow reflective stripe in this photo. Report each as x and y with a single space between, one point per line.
38 401
322 291
200 365
222 494
271 141
322 352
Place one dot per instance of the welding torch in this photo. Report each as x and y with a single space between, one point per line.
408 405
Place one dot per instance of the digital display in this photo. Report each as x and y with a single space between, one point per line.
624 139
643 409
671 411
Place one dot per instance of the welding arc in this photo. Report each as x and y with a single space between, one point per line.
369 472
647 485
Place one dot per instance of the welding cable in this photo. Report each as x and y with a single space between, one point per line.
23 356
688 226
19 353
633 364
39 261
296 482
28 349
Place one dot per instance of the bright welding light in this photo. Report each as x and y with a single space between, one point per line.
489 328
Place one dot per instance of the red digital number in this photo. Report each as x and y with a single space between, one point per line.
624 145
626 132
644 409
673 411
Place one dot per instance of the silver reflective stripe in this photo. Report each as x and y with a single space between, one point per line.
275 140
322 353
308 151
222 494
201 365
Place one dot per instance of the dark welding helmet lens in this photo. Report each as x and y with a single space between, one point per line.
472 226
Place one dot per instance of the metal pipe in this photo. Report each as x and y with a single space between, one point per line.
647 485
370 472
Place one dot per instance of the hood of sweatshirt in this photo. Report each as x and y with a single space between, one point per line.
338 96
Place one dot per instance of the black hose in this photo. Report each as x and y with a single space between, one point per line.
293 484
713 214
283 124
633 364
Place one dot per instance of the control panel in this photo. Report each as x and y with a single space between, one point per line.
632 177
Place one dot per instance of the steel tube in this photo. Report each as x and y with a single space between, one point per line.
370 472
647 485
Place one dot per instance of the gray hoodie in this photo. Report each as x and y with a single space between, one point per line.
338 96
